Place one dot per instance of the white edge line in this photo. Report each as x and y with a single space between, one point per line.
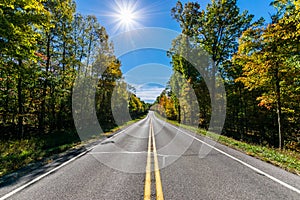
118 152
240 161
60 166
40 177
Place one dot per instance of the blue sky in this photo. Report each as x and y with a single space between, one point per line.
149 70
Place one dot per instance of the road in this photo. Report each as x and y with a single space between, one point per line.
155 160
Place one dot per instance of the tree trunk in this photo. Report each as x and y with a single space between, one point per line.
59 120
6 113
179 114
20 103
278 106
43 104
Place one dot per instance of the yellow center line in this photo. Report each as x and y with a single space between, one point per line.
147 191
159 191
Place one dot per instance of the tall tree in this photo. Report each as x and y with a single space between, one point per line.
216 31
55 46
18 44
265 52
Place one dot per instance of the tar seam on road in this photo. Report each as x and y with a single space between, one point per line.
57 168
158 184
241 162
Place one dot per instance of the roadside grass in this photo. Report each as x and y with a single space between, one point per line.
15 154
286 159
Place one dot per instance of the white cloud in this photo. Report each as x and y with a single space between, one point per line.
150 94
149 80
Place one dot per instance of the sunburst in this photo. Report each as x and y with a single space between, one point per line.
126 15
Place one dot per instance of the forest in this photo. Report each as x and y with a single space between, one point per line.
259 63
44 46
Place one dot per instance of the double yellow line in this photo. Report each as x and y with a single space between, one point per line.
147 191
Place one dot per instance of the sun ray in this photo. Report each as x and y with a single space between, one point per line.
126 15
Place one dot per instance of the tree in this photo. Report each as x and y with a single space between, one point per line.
212 33
215 29
18 43
264 53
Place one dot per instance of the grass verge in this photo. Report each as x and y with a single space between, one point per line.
15 154
286 159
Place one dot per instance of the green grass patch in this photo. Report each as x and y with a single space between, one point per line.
286 159
15 154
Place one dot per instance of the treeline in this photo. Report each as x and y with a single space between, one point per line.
258 61
44 46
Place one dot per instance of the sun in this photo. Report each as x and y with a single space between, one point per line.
126 15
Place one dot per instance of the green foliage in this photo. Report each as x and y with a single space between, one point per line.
215 29
19 21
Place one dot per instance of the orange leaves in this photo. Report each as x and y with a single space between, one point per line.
40 55
265 101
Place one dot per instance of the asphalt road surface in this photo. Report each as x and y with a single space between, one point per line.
152 159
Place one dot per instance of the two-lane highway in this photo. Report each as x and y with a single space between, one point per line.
155 160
